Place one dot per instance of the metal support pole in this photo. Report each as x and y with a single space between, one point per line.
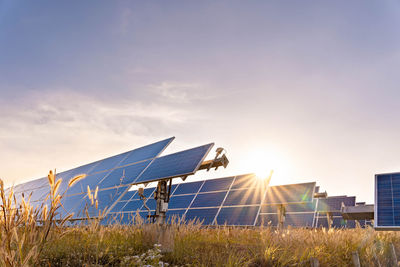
281 216
161 197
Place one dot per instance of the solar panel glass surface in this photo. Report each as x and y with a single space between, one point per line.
174 165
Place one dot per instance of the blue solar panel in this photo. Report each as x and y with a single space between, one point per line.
146 152
124 175
205 215
209 199
180 202
174 165
96 173
387 201
294 193
217 184
237 215
244 197
188 188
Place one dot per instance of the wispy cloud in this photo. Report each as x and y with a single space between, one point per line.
183 93
67 124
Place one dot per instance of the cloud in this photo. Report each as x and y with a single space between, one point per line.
63 128
182 93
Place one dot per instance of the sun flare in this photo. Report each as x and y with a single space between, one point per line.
262 162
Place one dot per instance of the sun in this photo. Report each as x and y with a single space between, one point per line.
262 162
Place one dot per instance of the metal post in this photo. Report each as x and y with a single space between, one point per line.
281 216
161 197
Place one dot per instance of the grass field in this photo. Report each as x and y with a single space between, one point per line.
31 237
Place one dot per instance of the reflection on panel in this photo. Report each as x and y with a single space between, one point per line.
294 193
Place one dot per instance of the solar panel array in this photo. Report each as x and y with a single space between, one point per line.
241 200
114 176
234 200
387 201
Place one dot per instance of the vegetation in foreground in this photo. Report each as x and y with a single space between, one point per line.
31 237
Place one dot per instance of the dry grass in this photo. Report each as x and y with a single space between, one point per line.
31 237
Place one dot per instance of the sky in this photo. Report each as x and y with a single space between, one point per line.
309 89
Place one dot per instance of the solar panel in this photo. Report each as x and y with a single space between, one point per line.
175 165
109 173
387 201
222 201
293 193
